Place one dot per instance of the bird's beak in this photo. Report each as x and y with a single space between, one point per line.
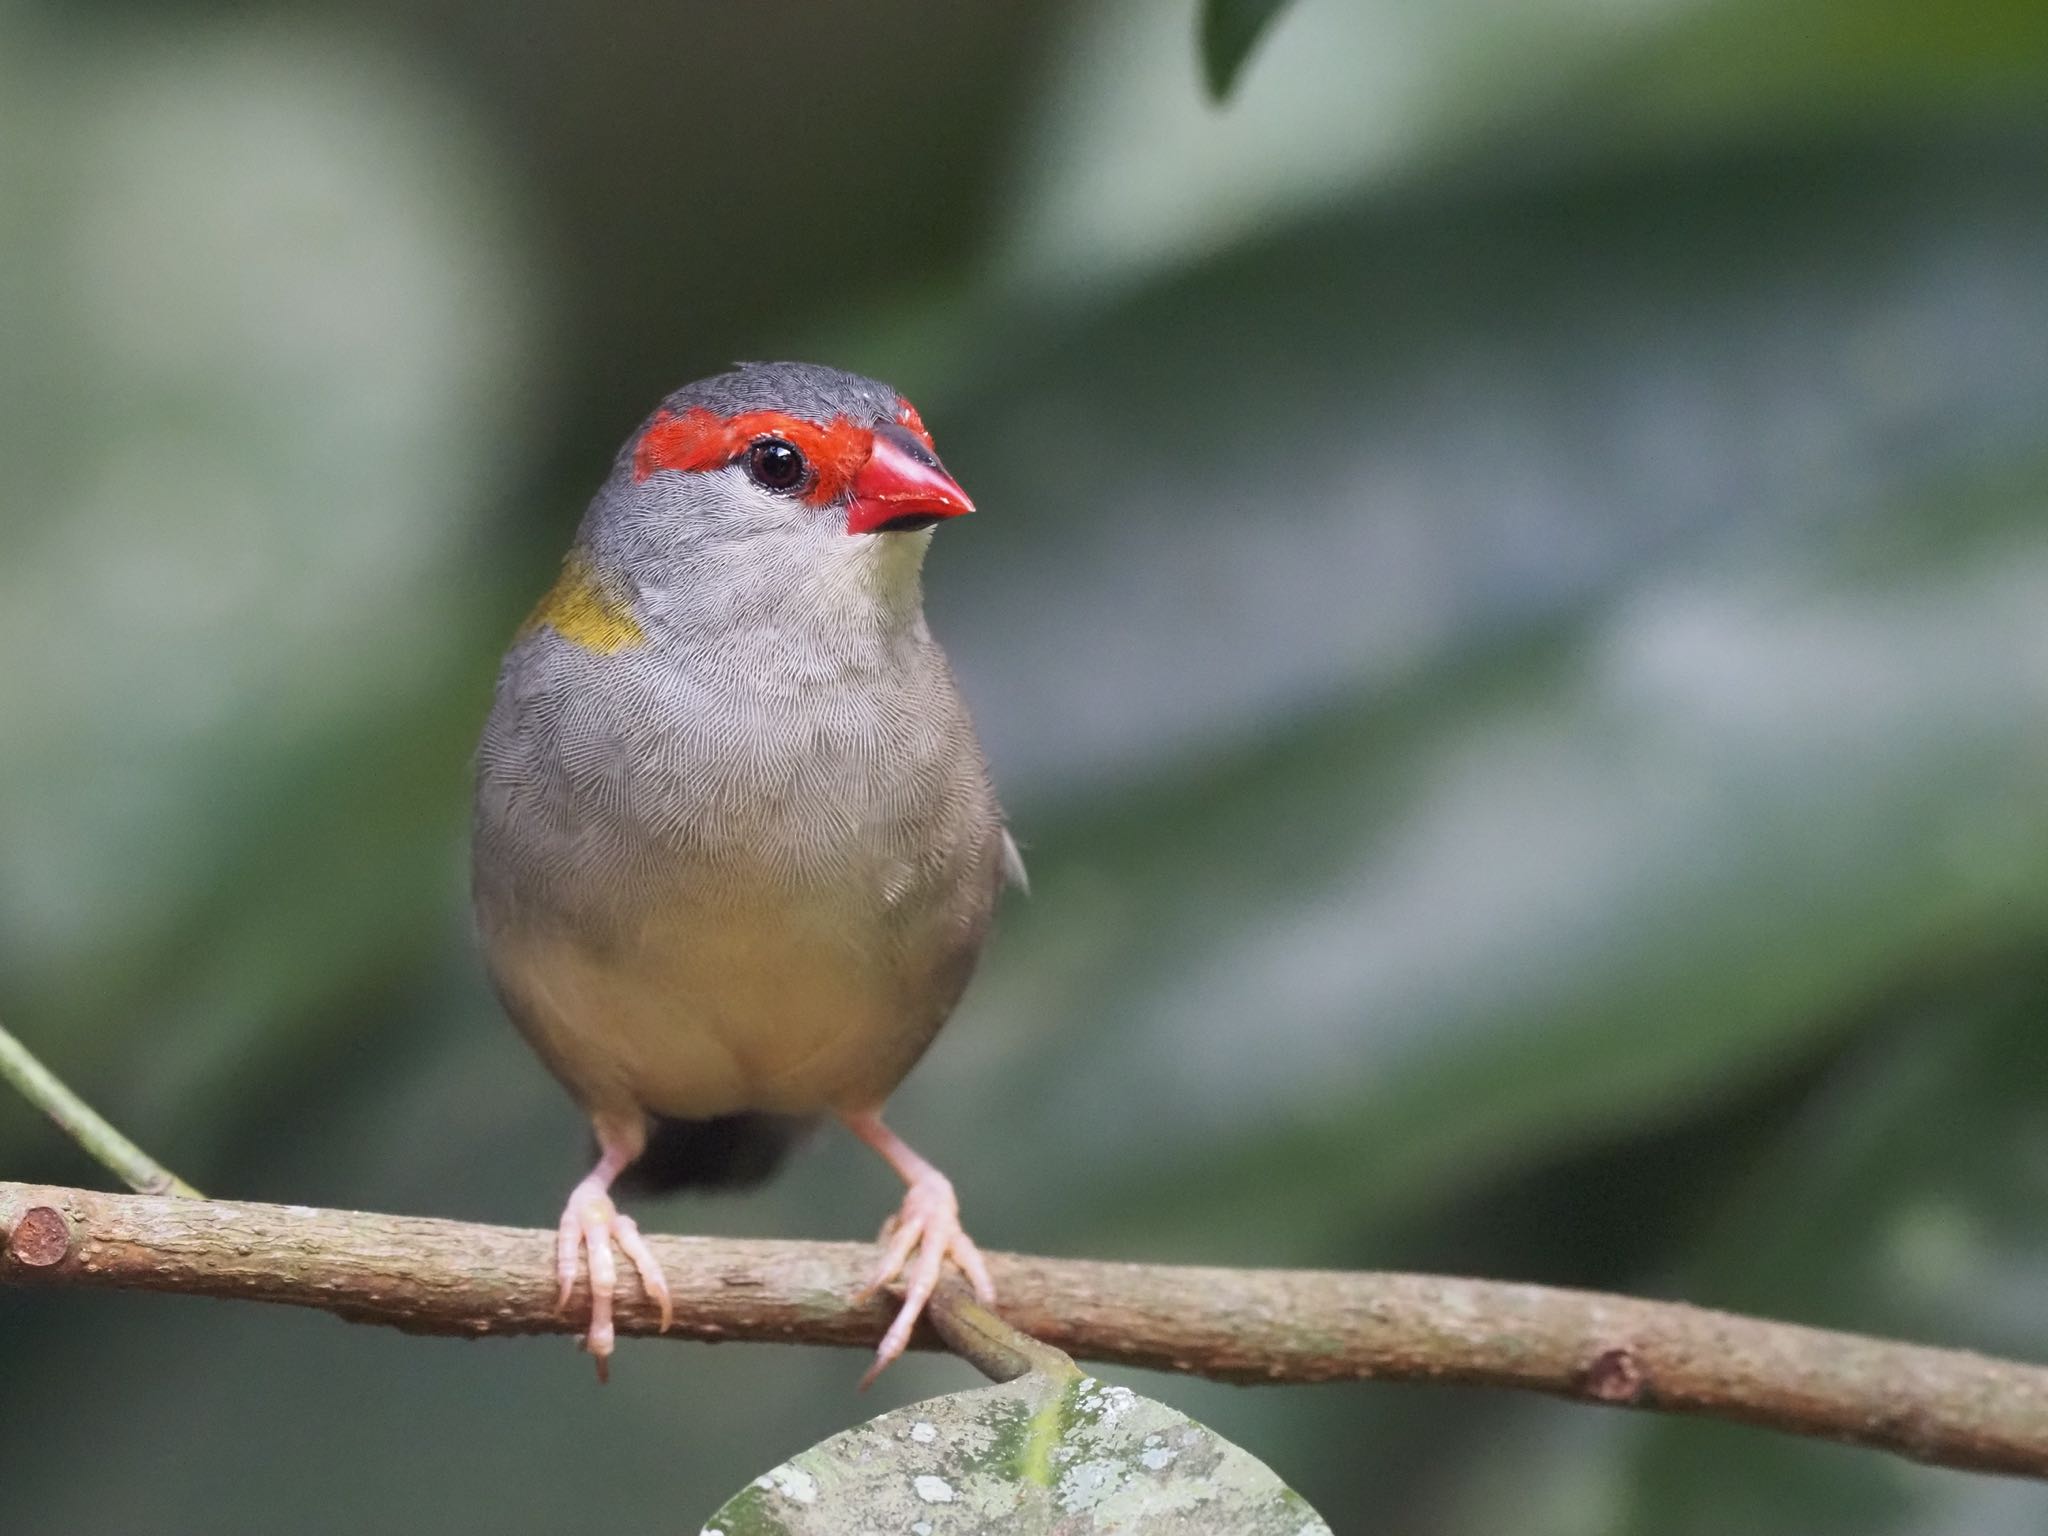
902 487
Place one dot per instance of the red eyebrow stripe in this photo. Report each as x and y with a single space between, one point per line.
700 439
906 416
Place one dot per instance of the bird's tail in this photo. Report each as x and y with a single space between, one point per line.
725 1152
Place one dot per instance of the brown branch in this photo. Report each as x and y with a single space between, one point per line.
447 1277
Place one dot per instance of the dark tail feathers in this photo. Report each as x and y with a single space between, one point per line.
727 1152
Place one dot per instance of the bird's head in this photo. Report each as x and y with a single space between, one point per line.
782 494
774 461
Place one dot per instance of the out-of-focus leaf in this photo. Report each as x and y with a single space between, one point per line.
1591 708
1906 1202
1128 172
1230 29
1352 457
1734 71
1694 836
1041 1454
264 404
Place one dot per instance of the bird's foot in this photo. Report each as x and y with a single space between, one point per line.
918 1240
590 1225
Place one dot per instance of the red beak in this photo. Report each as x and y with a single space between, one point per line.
902 487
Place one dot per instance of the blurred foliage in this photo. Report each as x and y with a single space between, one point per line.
1511 609
1229 31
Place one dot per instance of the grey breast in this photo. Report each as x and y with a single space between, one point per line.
708 881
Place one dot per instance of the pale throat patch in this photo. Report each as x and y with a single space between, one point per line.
876 573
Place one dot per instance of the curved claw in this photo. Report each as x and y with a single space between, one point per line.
626 1233
920 1238
590 1225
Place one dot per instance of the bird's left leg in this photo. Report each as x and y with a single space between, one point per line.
918 1239
591 1224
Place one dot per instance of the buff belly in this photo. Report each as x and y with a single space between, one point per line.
708 1012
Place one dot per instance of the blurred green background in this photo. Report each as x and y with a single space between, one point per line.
1510 609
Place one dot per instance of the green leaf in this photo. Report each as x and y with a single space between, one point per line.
1230 30
1041 1454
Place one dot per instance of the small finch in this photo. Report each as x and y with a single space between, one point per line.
736 848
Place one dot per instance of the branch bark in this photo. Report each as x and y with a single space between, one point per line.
445 1277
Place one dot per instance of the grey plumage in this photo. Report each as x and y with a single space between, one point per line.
744 862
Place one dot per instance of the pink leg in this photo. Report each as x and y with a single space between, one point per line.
919 1238
590 1225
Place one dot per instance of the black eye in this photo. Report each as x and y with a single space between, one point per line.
775 466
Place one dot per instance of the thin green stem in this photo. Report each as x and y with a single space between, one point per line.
77 1119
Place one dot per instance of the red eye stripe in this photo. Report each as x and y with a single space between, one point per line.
700 439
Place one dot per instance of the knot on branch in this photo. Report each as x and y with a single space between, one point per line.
41 1239
1616 1376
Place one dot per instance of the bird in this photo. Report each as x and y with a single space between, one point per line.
736 847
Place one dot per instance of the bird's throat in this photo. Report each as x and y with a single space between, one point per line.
881 579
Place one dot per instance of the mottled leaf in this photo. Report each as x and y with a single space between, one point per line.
1041 1454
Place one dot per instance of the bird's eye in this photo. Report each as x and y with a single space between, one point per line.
774 465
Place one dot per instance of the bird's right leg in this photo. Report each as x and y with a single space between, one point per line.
918 1240
590 1224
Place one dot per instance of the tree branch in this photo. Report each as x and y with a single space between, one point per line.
445 1277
